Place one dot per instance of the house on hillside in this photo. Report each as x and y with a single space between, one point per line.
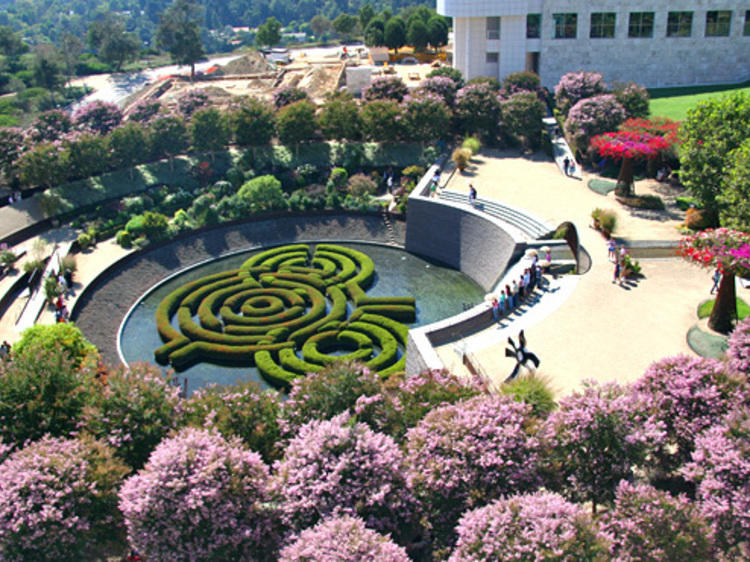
654 42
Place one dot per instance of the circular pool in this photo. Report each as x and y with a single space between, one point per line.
439 292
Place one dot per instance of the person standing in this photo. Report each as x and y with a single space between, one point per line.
472 195
611 248
566 165
496 309
617 271
716 278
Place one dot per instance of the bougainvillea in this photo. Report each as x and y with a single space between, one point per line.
657 126
132 410
441 86
242 410
594 439
334 467
729 251
593 116
687 395
648 524
98 116
738 351
342 538
464 455
199 497
721 469
575 86
58 500
540 526
385 88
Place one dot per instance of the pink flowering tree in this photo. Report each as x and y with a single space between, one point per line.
199 497
738 351
49 126
242 410
466 454
595 439
386 88
629 146
333 468
591 117
342 538
132 410
12 145
729 251
427 117
477 111
721 470
575 86
539 526
687 395
441 86
58 501
98 116
648 524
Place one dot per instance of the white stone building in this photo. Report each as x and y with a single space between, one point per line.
653 42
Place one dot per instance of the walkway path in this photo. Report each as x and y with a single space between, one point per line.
586 327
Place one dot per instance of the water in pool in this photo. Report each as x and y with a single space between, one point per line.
440 292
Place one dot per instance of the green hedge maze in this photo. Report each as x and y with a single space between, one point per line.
289 312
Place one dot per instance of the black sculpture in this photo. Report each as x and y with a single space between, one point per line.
522 355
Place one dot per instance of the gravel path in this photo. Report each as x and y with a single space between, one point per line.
102 307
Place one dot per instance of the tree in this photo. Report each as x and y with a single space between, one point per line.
386 88
58 501
628 146
394 34
209 130
539 526
381 120
593 440
417 34
437 31
522 115
366 13
449 72
262 194
11 43
478 111
342 538
441 86
70 48
593 116
43 165
128 146
179 33
132 409
296 123
336 467
86 155
269 34
339 118
734 199
427 118
168 137
634 98
320 25
575 86
464 455
113 44
98 116
46 67
712 130
200 496
254 122
375 32
729 251
288 94
11 147
344 25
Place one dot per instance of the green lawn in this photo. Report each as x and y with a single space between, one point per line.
675 102
704 310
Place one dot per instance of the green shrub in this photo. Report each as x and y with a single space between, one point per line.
532 389
8 258
338 178
472 144
64 338
52 288
263 194
461 158
124 238
633 265
686 202
606 219
414 173
29 266
361 186
85 241
642 201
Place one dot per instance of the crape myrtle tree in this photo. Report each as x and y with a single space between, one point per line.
575 86
729 251
711 132
629 146
593 116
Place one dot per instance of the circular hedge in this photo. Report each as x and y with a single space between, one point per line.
286 311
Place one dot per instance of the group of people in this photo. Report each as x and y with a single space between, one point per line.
65 281
569 166
618 257
517 291
4 349
14 197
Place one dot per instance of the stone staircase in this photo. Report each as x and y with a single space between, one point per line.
530 227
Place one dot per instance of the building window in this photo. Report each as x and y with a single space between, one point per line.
533 26
718 23
747 23
565 25
492 58
679 24
493 28
602 25
641 24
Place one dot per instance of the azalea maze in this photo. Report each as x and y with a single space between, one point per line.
287 311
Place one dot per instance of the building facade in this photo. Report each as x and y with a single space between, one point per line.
656 43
